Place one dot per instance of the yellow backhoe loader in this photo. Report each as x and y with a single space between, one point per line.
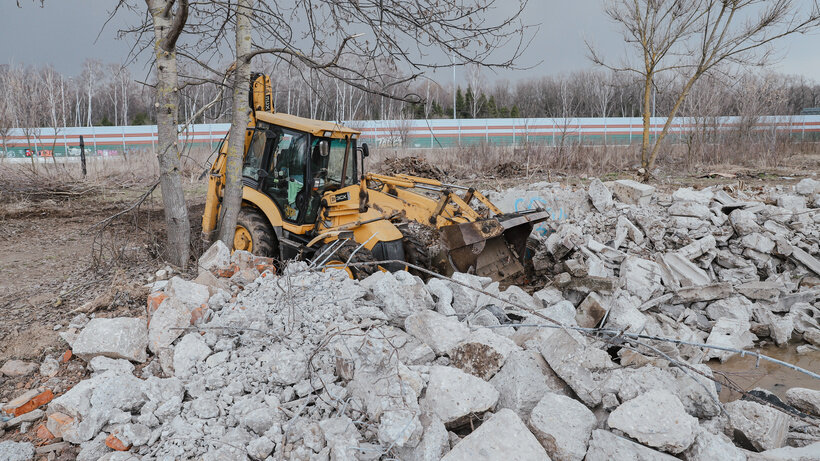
306 195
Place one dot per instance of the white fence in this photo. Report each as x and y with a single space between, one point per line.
115 140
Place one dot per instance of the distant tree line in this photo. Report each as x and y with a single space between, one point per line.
108 94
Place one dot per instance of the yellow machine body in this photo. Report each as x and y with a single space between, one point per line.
295 196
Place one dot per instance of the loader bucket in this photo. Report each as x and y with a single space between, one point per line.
493 247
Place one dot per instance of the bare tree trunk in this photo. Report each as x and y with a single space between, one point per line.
173 198
232 196
647 100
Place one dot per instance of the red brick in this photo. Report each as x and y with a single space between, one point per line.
114 443
198 314
154 300
226 272
40 399
43 433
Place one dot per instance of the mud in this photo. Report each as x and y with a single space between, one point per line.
747 373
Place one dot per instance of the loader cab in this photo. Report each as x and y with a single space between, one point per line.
295 168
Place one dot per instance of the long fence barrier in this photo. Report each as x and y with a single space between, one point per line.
45 143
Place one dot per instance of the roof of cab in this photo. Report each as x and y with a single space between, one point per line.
316 127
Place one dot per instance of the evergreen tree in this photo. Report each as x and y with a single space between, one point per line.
514 113
460 103
437 110
469 99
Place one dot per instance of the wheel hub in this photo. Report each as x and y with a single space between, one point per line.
242 239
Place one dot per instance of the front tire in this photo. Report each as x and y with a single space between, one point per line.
254 233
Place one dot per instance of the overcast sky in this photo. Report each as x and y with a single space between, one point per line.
64 33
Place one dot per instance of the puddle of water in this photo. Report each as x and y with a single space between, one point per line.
747 373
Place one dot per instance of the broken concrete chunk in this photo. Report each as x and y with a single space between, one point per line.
465 298
690 209
625 316
806 453
18 368
168 324
806 259
792 202
118 338
684 272
698 248
591 310
687 194
101 364
503 436
805 400
190 293
577 364
808 186
548 296
190 351
743 222
757 427
656 418
563 426
216 257
402 295
761 291
709 446
757 242
523 380
623 229
599 195
482 353
641 277
564 241
606 446
454 396
439 332
435 443
729 333
16 451
736 307
710 292
633 192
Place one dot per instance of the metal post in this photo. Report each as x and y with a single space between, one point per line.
454 89
82 154
153 151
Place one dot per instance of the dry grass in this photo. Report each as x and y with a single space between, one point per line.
581 159
65 178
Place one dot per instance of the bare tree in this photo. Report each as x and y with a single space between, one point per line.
693 37
168 23
232 193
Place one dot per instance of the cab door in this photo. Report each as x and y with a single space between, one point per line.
286 182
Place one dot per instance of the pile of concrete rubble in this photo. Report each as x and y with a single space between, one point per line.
244 362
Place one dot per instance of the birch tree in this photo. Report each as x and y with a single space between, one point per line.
168 23
693 37
232 196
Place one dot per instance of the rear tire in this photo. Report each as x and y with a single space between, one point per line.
256 225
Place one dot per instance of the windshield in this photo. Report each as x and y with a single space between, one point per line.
334 162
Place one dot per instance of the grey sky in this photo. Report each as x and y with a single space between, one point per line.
64 32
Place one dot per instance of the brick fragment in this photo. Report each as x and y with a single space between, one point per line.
226 272
114 443
43 433
154 300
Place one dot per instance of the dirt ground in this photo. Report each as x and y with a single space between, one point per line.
58 261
